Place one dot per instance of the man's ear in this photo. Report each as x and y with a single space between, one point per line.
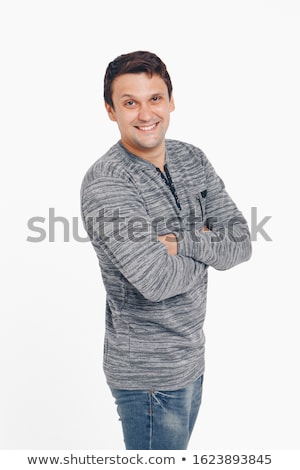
172 104
110 111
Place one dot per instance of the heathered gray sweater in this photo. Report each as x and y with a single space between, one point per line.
155 302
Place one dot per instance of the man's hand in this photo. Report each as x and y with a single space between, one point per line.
170 241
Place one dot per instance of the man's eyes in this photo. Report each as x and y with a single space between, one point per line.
131 103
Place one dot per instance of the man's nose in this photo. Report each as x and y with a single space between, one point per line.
145 112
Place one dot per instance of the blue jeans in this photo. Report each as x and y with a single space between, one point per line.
158 420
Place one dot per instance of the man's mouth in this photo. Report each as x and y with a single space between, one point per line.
147 128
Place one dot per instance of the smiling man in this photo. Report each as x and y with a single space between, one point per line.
158 216
141 106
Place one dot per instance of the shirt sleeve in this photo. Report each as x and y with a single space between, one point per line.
228 241
117 223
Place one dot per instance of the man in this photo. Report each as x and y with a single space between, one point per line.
158 216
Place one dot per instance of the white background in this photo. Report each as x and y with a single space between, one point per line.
235 72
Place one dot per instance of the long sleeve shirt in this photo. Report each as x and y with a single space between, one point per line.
156 302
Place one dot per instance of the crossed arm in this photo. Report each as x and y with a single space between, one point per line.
157 273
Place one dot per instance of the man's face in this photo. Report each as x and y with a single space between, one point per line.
142 111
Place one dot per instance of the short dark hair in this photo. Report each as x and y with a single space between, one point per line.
135 62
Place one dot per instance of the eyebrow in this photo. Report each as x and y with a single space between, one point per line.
133 97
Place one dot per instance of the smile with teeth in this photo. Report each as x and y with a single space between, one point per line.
147 128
